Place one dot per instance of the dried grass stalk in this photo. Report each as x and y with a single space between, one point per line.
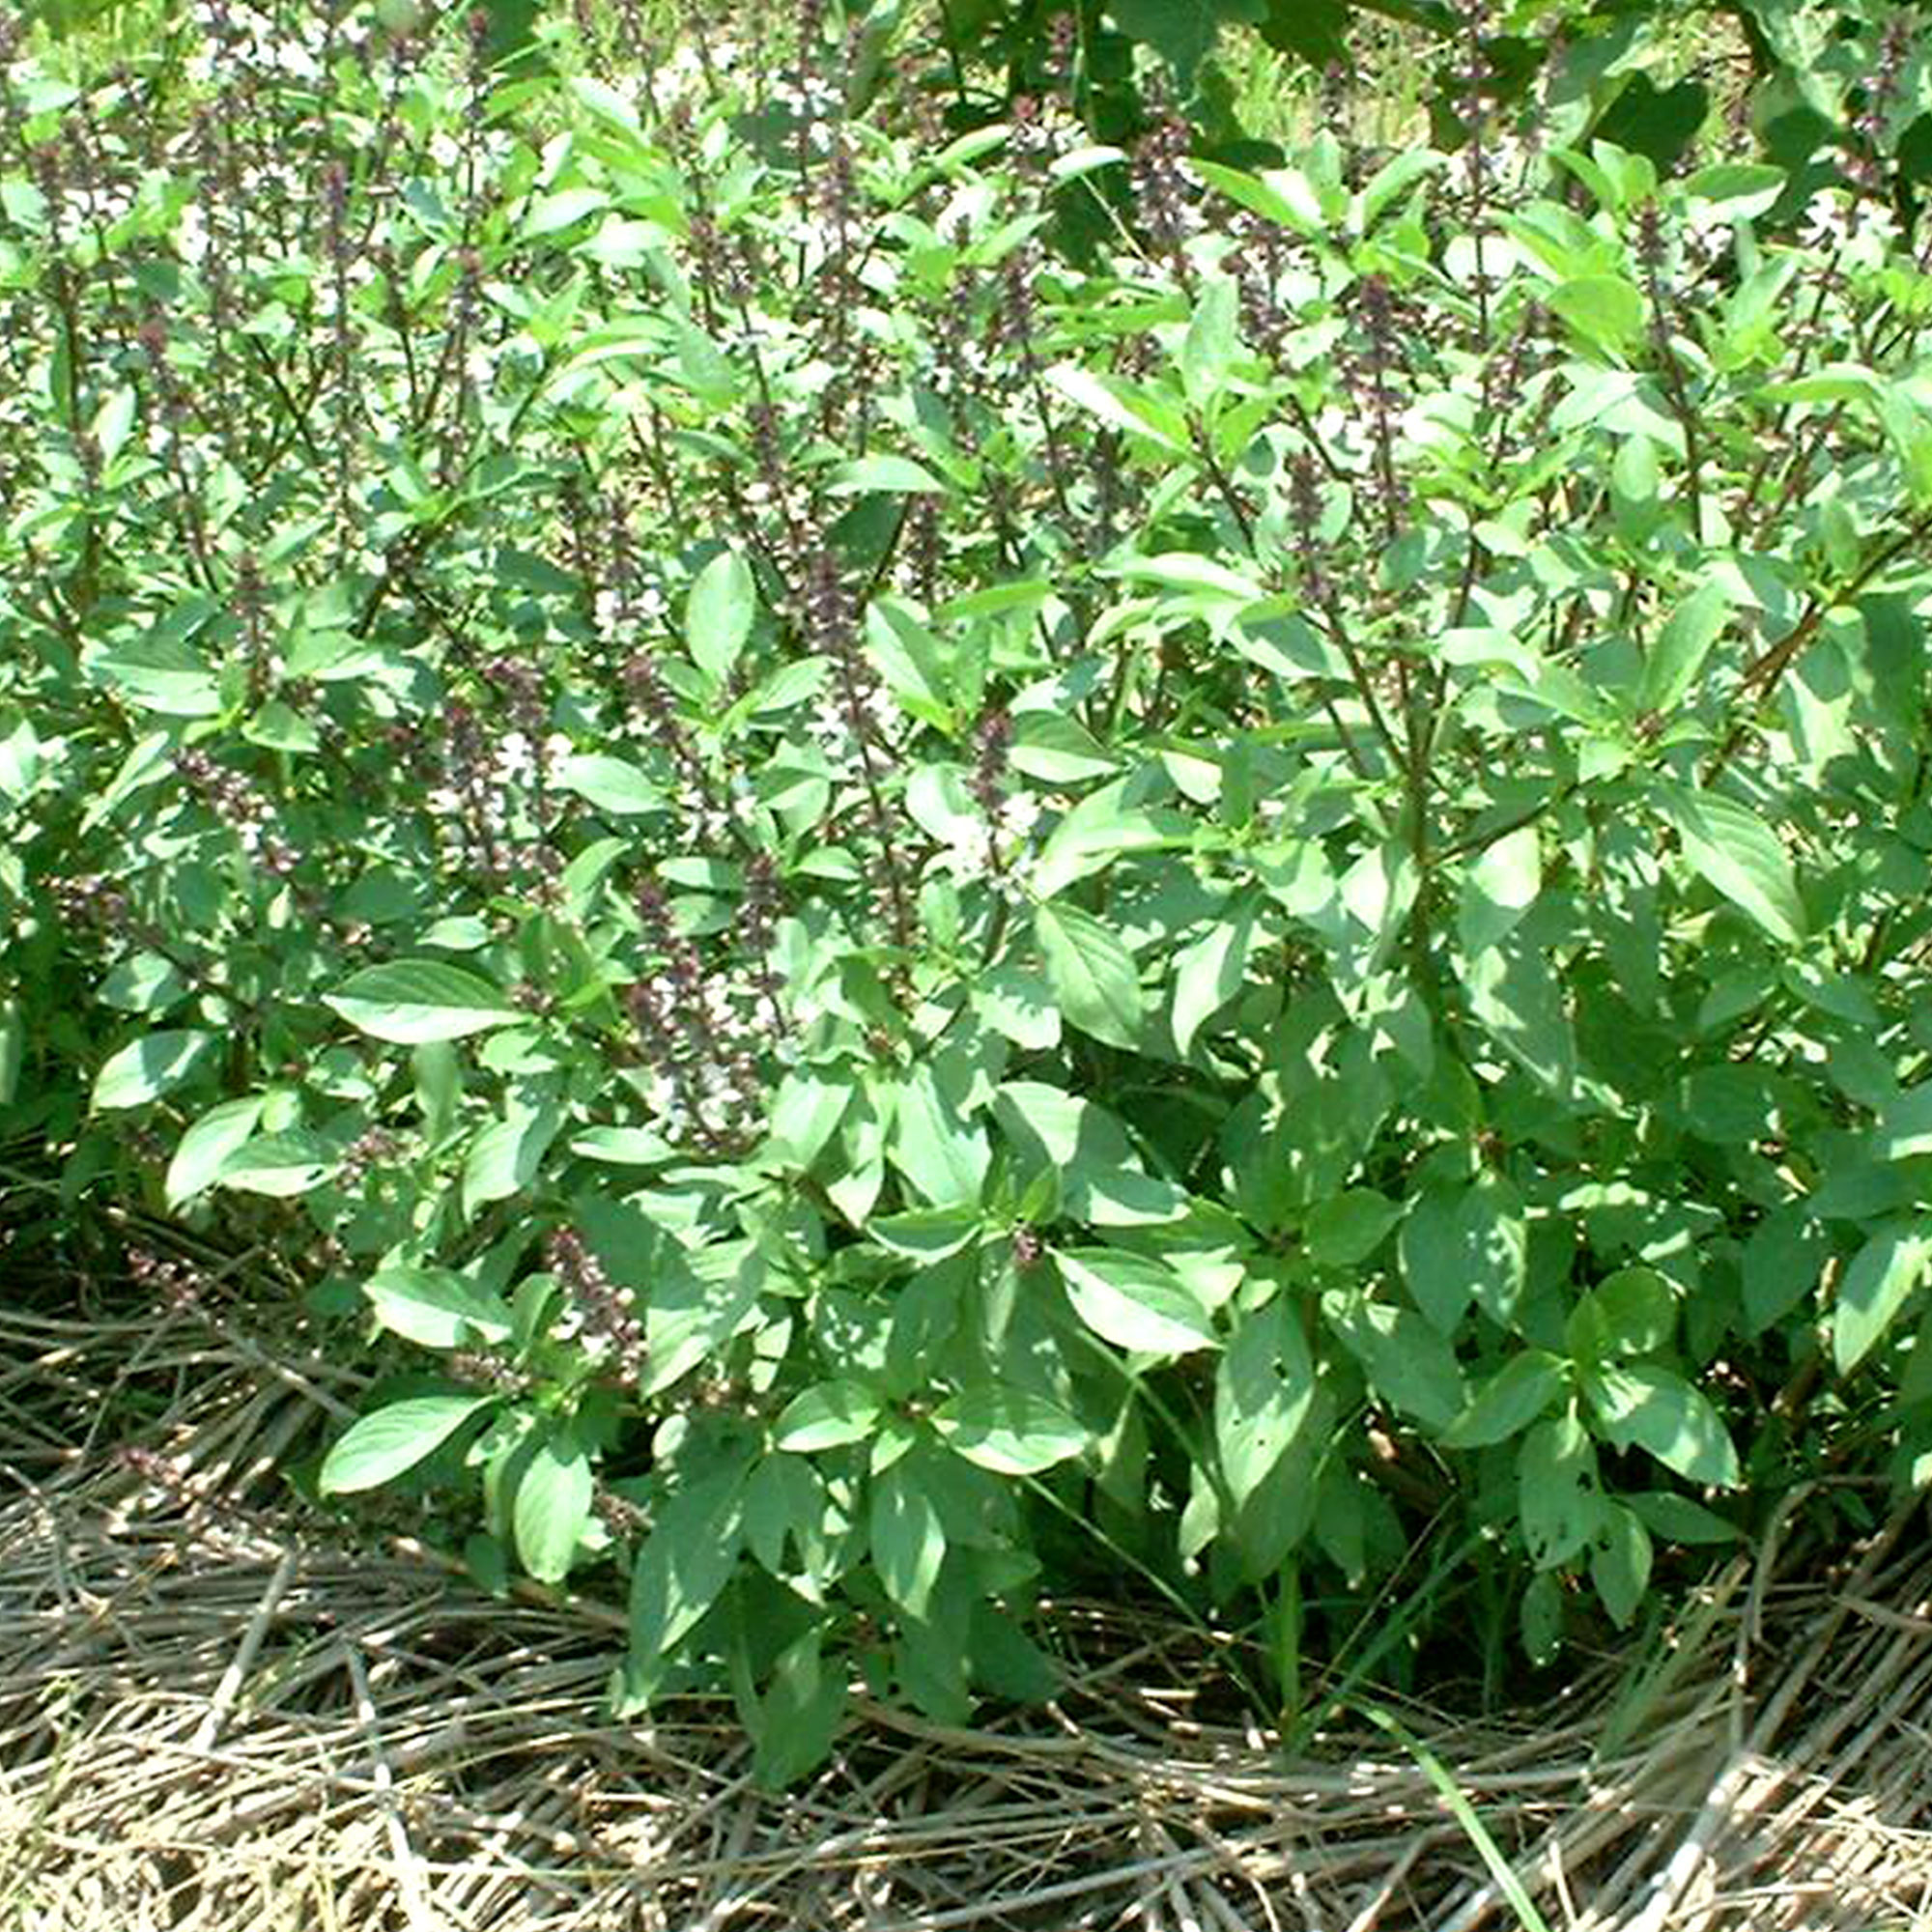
213 1716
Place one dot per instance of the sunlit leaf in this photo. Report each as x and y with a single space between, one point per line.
1134 1302
146 1068
1657 1410
419 1000
553 1505
1264 1387
1733 848
1092 975
395 1440
435 1307
1009 1431
1882 1276
828 1416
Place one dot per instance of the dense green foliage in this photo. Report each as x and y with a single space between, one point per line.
898 924
1829 88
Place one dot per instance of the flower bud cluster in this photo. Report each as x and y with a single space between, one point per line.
175 1285
1382 355
1259 260
481 1369
691 1033
239 804
1040 129
831 627
758 931
994 739
476 801
1164 198
250 602
91 902
373 1147
153 337
520 686
1304 509
655 708
607 1314
1871 124
726 276
920 548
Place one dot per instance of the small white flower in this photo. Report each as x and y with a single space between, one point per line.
515 758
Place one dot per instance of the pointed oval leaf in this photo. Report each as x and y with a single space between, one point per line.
611 785
146 1068
1050 745
890 476
1738 189
504 1157
1500 886
1559 1501
1213 339
1620 1563
1406 1363
1101 827
1730 846
280 1166
931 1141
719 613
1281 195
1633 1311
551 214
1009 1431
396 1439
1263 1391
1509 1401
686 1560
828 1416
1348 1227
1092 972
206 1146
1656 1410
1134 1302
1678 1519
552 1506
908 1539
1208 973
1602 309
414 1001
1466 1244
1123 406
1881 1278
435 1308
927 1235
1904 1129
1682 644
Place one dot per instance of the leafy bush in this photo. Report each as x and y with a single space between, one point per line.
895 925
1830 89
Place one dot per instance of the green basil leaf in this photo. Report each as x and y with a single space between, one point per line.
1092 975
146 1068
1134 1302
1011 1432
552 1509
395 1440
1656 1410
414 1001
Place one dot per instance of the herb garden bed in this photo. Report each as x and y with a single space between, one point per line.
802 855
214 1714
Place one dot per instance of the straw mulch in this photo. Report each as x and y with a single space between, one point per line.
211 1716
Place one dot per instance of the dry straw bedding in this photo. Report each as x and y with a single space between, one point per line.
214 1716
